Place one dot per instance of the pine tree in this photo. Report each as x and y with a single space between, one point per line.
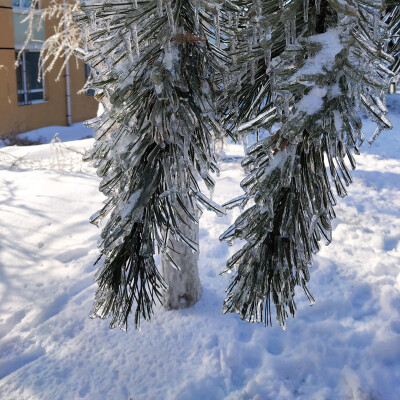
173 76
157 74
305 71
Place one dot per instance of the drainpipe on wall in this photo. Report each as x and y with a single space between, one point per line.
67 79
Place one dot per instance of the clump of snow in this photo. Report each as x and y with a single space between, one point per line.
346 346
338 120
312 101
325 57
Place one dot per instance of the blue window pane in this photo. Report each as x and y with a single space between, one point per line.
32 70
24 3
35 96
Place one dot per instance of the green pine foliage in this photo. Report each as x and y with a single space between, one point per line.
173 76
309 68
156 72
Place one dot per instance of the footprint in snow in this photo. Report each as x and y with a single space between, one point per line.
72 254
274 347
7 324
245 334
395 326
391 243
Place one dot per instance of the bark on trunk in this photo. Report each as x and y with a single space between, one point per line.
184 285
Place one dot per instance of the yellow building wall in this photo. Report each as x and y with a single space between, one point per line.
6 3
6 25
16 118
82 106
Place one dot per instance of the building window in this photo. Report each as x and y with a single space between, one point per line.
30 90
24 3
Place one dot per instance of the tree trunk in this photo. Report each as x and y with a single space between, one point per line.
184 288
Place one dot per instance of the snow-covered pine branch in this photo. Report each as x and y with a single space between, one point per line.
157 66
317 64
174 75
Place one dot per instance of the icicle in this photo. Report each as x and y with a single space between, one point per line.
233 50
108 25
230 20
230 106
318 6
245 141
160 8
272 83
379 129
168 56
211 191
288 35
267 50
252 71
135 39
86 38
270 206
376 25
259 10
383 99
236 108
170 15
217 28
281 5
173 123
306 6
128 47
132 122
293 30
356 95
92 20
186 149
226 83
286 108
239 78
254 38
269 33
196 16
267 58
167 173
135 6
313 223
349 90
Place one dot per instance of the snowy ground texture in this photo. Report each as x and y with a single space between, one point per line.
347 346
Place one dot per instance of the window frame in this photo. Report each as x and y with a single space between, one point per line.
25 91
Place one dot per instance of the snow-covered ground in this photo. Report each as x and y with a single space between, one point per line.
64 133
347 346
